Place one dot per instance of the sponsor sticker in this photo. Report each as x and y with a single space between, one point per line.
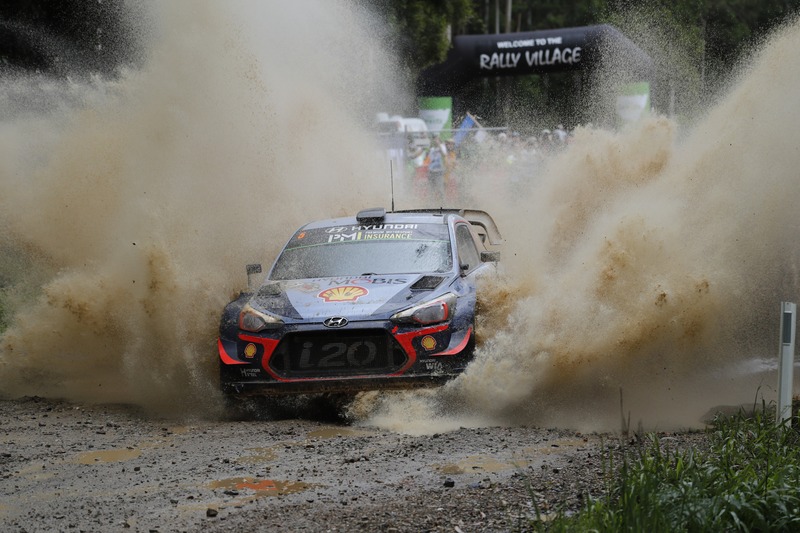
250 350
346 293
434 367
362 280
369 232
428 342
303 286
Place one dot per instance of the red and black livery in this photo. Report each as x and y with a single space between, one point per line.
376 301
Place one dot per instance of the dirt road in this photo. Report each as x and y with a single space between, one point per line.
67 467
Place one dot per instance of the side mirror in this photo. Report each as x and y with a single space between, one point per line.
490 257
252 270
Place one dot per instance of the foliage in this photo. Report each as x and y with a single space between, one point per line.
694 43
672 35
421 29
97 32
747 480
733 25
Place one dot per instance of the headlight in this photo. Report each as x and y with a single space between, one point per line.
255 321
438 310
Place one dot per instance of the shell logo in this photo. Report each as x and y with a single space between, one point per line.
250 350
428 342
345 293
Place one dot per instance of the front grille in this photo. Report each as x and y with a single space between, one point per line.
337 353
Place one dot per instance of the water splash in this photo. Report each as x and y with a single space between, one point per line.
652 264
148 193
644 269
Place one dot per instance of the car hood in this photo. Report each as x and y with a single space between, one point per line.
371 297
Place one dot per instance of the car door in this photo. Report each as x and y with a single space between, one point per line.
470 264
468 256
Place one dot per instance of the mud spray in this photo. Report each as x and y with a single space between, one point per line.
141 205
643 265
645 271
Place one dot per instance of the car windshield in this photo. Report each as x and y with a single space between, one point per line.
369 249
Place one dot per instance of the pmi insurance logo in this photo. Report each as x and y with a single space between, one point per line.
346 293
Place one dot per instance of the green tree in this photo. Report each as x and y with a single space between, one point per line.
732 27
695 45
421 29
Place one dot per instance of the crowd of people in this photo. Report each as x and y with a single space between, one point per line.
440 172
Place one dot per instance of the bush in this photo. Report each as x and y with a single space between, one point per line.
748 479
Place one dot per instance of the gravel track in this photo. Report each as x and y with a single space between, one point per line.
68 467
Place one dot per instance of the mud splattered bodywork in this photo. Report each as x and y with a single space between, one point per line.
377 301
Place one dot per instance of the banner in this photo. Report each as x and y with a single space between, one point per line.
533 52
634 103
437 112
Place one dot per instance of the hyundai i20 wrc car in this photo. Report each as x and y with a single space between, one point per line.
376 301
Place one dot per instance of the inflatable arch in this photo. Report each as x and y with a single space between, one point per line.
535 52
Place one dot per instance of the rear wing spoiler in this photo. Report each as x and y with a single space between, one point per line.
483 222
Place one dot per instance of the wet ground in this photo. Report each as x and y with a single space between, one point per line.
69 467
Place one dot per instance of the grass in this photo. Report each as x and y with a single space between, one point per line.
747 480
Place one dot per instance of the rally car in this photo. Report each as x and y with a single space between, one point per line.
376 301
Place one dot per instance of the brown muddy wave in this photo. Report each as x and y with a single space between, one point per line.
640 267
141 206
644 272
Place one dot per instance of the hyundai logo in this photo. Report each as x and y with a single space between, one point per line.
335 322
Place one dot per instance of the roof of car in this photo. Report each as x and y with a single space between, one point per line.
481 221
400 217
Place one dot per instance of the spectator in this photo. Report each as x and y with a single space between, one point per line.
416 166
436 167
450 178
546 141
560 134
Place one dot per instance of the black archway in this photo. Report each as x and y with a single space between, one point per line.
535 52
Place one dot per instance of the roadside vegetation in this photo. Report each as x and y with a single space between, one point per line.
694 45
748 479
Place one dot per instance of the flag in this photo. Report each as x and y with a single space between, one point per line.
463 130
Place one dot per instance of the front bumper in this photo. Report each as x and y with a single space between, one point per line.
312 359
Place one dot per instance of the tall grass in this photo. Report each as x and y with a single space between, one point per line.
747 480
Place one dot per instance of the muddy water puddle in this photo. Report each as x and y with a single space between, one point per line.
477 463
260 487
36 472
521 459
259 455
270 453
338 432
108 456
131 452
